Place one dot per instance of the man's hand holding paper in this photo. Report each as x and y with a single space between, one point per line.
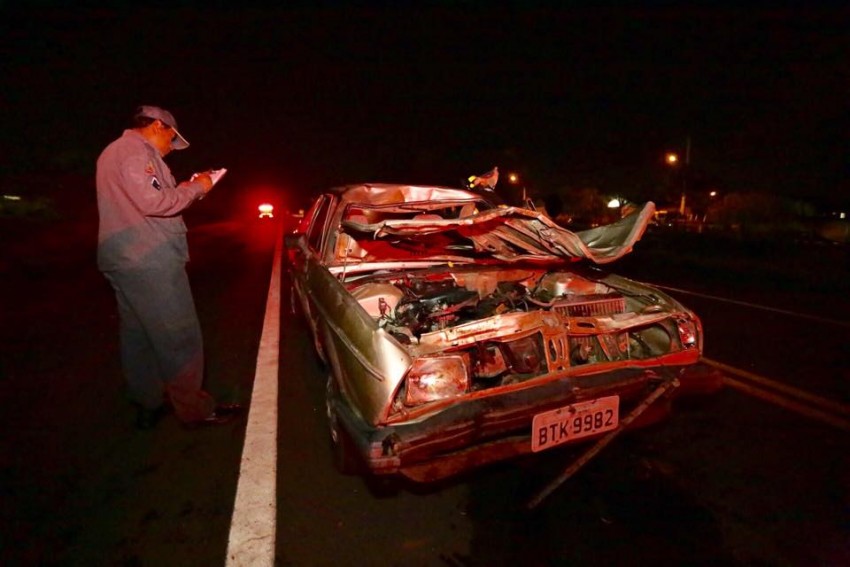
209 178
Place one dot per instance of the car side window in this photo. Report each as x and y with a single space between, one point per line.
317 227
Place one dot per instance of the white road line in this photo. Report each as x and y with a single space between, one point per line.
824 403
253 525
755 306
829 411
794 399
790 404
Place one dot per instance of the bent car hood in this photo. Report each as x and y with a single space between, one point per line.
512 234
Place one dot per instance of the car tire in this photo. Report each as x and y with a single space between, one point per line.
345 458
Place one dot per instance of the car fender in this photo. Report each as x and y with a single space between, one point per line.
367 361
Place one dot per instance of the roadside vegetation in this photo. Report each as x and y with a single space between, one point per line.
17 206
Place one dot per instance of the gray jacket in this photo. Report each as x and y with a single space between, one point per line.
139 206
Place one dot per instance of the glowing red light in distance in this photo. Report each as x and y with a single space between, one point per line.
266 210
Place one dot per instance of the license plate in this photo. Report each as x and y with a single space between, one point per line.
574 421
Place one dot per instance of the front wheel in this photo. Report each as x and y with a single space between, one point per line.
346 460
344 451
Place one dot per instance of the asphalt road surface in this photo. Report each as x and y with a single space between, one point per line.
81 486
732 480
736 479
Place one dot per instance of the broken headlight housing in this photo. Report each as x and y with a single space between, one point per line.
689 331
436 378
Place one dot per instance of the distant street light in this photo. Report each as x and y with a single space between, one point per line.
513 179
614 203
672 159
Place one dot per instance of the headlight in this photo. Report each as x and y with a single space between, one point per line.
266 211
438 378
688 332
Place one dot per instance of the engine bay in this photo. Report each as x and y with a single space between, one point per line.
414 307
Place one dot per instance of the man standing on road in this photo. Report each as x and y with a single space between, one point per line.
142 251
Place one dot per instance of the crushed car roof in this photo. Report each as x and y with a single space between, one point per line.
389 193
505 233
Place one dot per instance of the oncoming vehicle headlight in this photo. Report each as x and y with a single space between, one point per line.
437 378
266 211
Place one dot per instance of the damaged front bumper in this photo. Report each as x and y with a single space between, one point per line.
477 432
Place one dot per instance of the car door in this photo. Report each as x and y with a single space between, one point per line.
306 250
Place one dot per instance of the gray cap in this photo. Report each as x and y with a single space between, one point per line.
157 113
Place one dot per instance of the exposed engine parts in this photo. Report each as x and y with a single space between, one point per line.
591 322
424 305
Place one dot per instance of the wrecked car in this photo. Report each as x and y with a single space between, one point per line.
458 332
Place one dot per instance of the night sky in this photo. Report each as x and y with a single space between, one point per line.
303 98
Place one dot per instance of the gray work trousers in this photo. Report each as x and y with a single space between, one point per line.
162 350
